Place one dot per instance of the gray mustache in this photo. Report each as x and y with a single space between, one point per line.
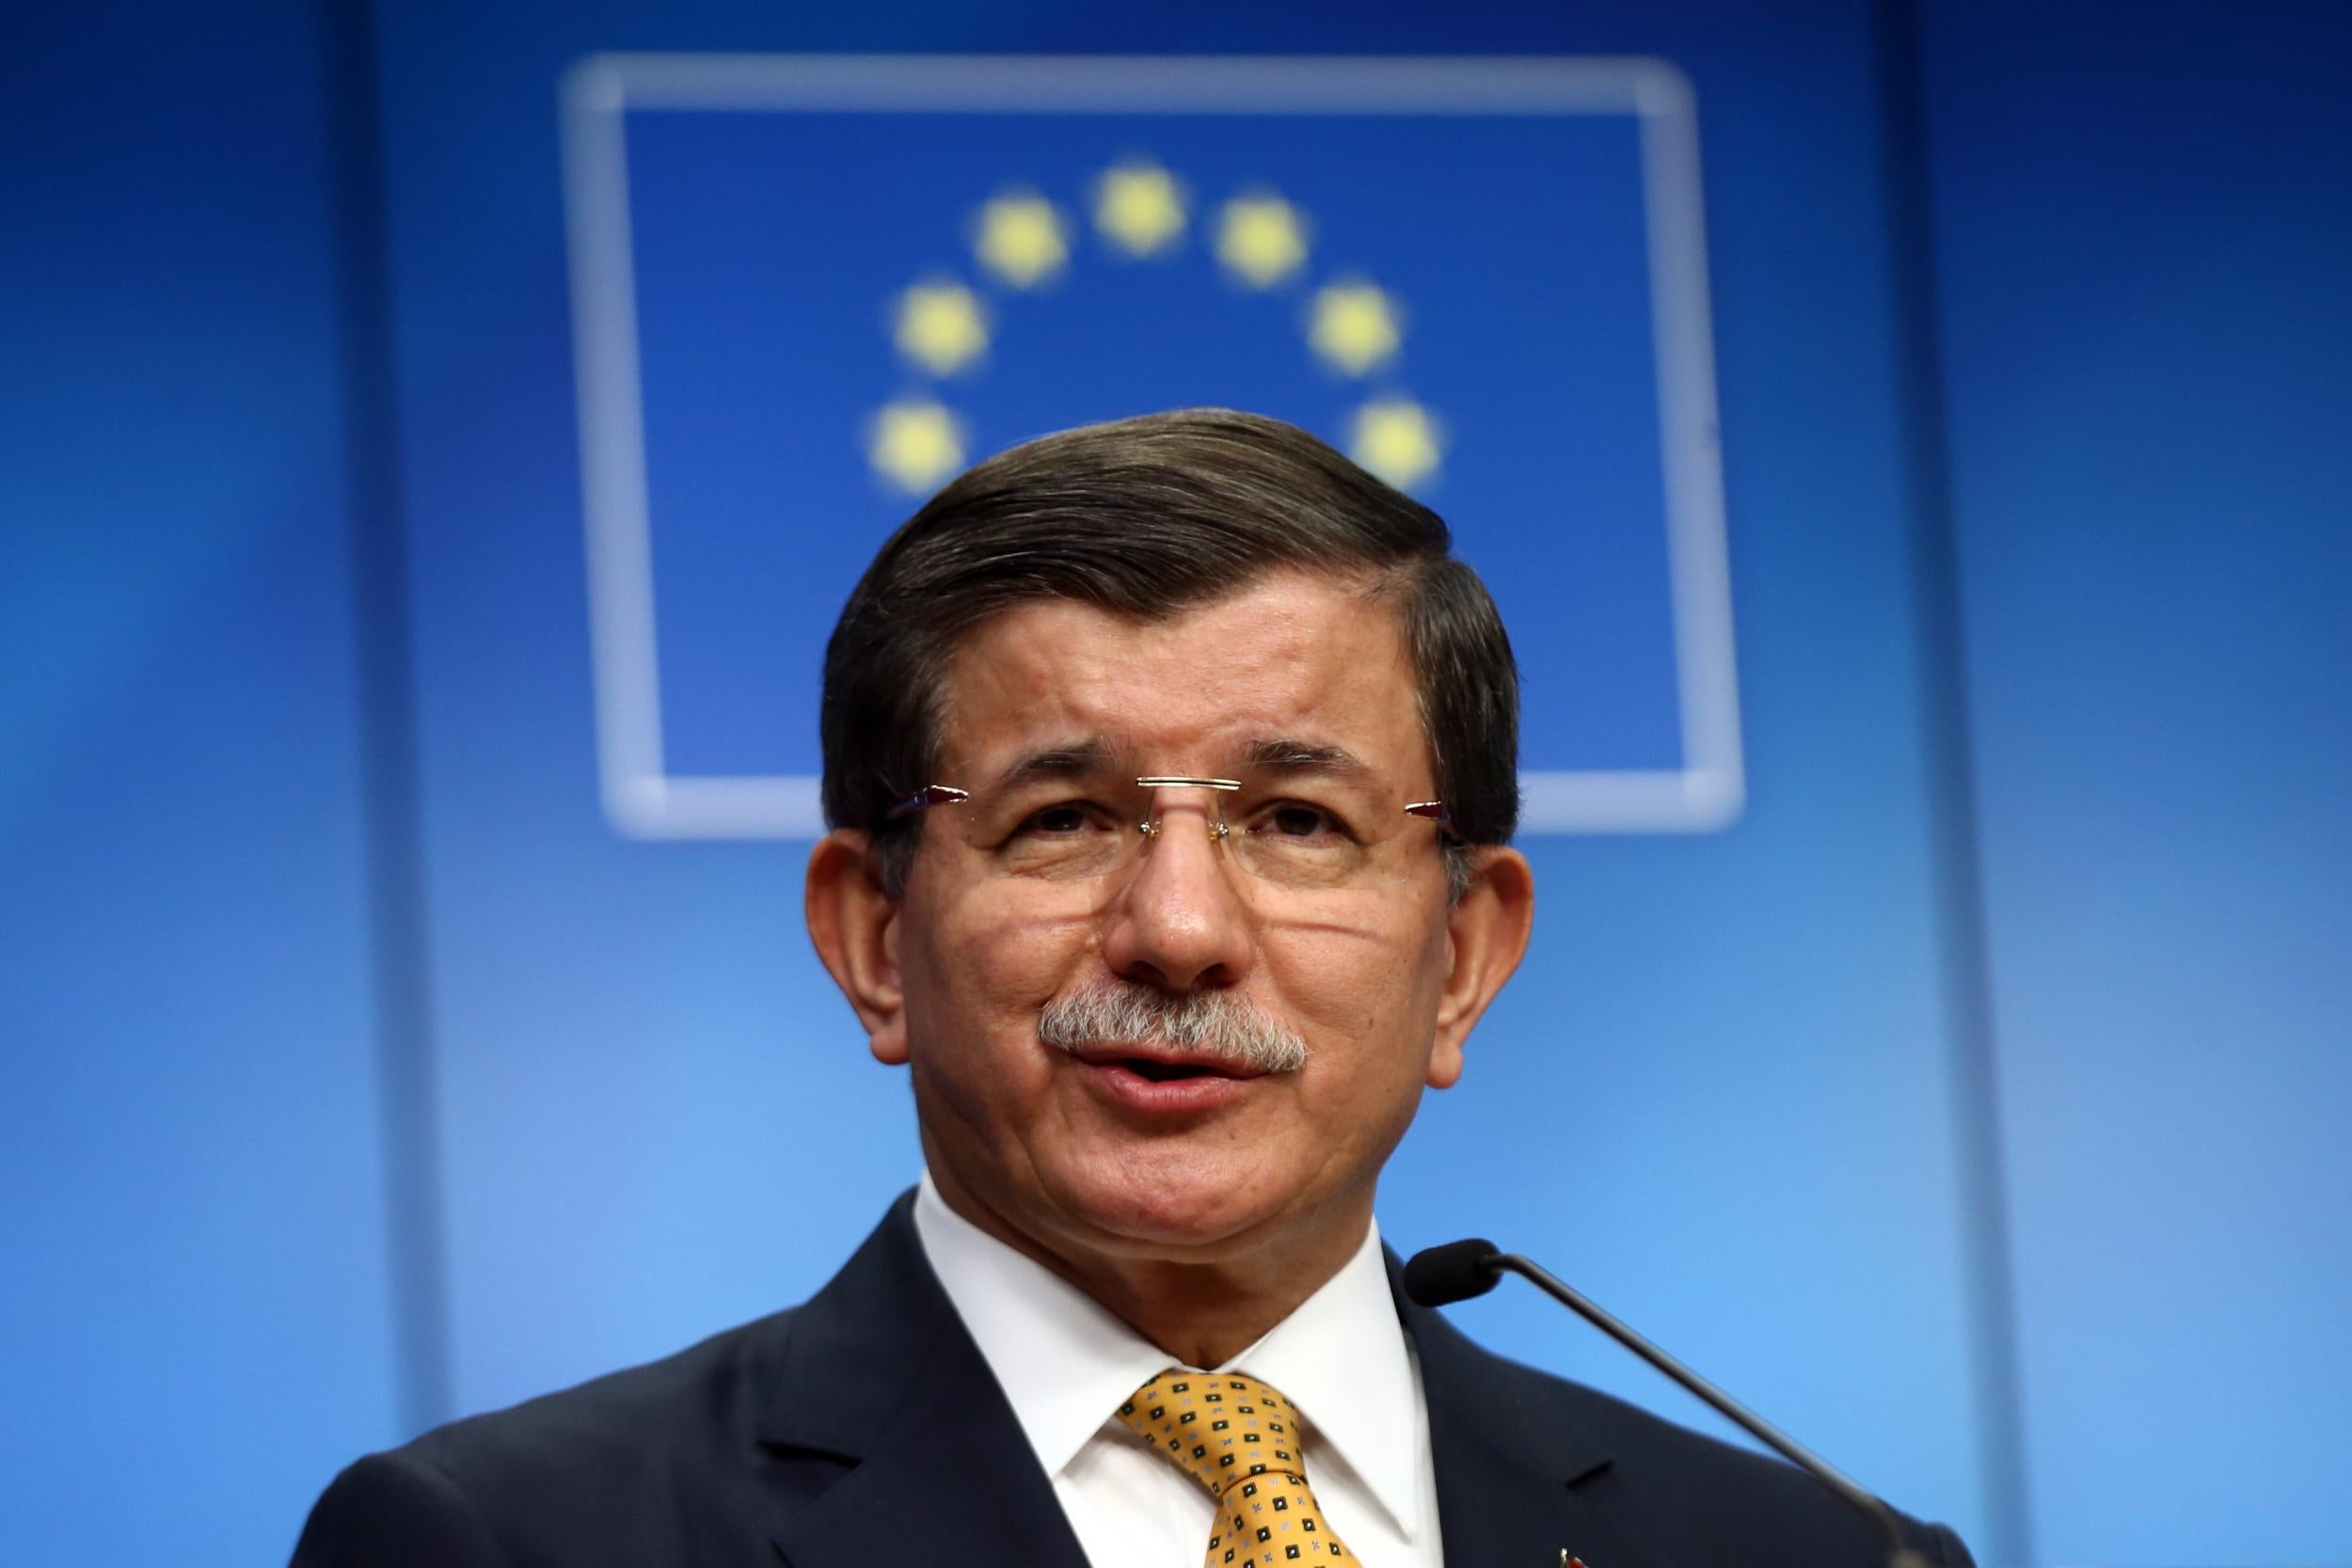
1219 1024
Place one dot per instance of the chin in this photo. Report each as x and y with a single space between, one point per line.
1142 1213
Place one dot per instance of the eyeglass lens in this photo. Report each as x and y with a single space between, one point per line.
1283 834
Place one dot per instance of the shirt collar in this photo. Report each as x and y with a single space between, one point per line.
1065 1362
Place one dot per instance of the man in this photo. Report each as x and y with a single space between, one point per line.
1171 766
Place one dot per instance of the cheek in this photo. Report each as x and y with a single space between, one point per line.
1357 973
975 979
984 967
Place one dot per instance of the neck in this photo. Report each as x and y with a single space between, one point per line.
1204 1312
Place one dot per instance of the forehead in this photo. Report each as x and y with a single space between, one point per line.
1317 659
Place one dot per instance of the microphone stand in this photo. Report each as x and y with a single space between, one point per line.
1881 1517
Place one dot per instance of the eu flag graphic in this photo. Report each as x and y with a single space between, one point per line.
809 290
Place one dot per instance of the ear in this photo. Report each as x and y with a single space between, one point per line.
1486 930
854 924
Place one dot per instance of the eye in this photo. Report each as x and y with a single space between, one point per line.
1057 821
1297 819
1071 837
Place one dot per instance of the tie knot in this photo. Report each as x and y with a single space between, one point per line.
1219 1428
1239 1438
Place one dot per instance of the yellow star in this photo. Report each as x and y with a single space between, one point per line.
940 327
1138 207
1261 239
1022 239
1355 325
914 443
1397 440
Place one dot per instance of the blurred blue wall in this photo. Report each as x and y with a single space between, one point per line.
2144 259
195 1285
1973 1104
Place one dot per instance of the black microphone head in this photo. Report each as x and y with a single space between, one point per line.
1442 1275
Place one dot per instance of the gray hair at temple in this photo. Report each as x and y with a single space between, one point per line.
1151 516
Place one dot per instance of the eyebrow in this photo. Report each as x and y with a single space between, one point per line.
1282 754
1078 759
1068 760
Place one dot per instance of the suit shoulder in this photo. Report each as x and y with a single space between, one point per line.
1712 1495
598 1474
700 1397
1643 1436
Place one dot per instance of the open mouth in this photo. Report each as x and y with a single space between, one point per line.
1165 1072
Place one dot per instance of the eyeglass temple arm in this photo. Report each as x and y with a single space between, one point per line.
929 794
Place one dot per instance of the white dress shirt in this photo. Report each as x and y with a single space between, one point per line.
1066 1365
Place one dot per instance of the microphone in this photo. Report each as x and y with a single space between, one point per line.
1442 1275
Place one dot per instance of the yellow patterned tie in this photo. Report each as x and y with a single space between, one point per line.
1236 1437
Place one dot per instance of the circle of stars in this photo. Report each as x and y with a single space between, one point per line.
1261 242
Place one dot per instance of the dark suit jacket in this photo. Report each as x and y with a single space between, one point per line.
863 1430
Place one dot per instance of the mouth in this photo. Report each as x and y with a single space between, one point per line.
1157 1066
1152 1087
1162 1073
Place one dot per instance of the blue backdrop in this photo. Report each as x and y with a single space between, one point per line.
1957 1069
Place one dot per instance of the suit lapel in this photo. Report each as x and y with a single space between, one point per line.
1513 1474
879 1372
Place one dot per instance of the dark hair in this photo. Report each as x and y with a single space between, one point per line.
1148 516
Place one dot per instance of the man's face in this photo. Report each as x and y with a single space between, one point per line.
1052 711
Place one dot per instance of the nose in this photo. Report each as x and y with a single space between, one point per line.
1179 923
